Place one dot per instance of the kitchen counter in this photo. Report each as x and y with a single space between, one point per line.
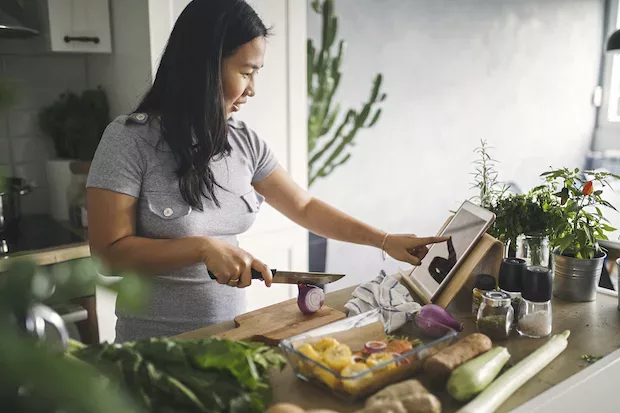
44 240
594 326
47 241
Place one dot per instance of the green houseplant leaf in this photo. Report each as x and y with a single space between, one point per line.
330 134
579 220
49 382
75 123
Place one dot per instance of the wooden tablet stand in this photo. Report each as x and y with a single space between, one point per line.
485 258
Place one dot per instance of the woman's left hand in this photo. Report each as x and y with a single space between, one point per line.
409 248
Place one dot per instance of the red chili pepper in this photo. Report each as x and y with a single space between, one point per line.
588 188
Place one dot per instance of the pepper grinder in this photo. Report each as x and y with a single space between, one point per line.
535 311
510 280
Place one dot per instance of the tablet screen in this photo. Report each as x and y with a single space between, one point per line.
463 229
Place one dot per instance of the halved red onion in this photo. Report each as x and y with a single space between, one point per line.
310 298
433 320
375 346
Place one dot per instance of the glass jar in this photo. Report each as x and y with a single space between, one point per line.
534 249
495 315
484 282
515 302
510 278
534 316
534 319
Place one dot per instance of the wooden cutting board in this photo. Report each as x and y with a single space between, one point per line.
272 324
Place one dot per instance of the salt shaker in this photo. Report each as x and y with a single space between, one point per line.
510 280
495 315
534 317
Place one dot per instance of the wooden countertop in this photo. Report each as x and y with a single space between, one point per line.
50 255
72 250
594 326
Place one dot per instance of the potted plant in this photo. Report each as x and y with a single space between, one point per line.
75 124
489 188
577 257
524 223
511 209
330 134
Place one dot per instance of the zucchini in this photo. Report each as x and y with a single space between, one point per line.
493 396
472 377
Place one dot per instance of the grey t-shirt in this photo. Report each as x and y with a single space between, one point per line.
133 159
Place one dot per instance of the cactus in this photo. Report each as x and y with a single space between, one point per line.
326 153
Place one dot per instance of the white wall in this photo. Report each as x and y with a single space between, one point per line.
124 74
38 77
518 73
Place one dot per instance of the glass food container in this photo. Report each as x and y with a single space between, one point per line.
366 373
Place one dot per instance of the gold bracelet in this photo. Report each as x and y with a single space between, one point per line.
383 245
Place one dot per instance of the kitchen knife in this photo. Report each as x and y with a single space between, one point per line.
295 277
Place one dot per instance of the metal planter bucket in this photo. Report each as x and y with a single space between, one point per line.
576 279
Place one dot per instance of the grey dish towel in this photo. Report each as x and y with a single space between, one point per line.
387 293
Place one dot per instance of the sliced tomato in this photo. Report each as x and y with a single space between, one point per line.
399 346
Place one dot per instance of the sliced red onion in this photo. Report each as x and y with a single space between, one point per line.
375 346
433 319
310 298
403 361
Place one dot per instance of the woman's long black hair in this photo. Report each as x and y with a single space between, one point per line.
187 93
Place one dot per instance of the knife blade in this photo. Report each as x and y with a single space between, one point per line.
295 277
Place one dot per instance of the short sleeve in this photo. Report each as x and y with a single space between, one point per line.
118 164
265 161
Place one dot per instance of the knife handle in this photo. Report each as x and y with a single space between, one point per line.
256 275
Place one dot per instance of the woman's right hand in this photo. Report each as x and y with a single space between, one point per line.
229 263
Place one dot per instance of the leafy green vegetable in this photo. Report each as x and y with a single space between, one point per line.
48 382
211 375
590 358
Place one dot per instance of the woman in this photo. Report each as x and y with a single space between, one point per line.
172 184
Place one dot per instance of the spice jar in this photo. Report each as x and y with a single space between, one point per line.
510 281
535 312
495 315
484 282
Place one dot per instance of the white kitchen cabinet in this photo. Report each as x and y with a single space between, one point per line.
80 26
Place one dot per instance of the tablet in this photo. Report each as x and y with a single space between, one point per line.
465 229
